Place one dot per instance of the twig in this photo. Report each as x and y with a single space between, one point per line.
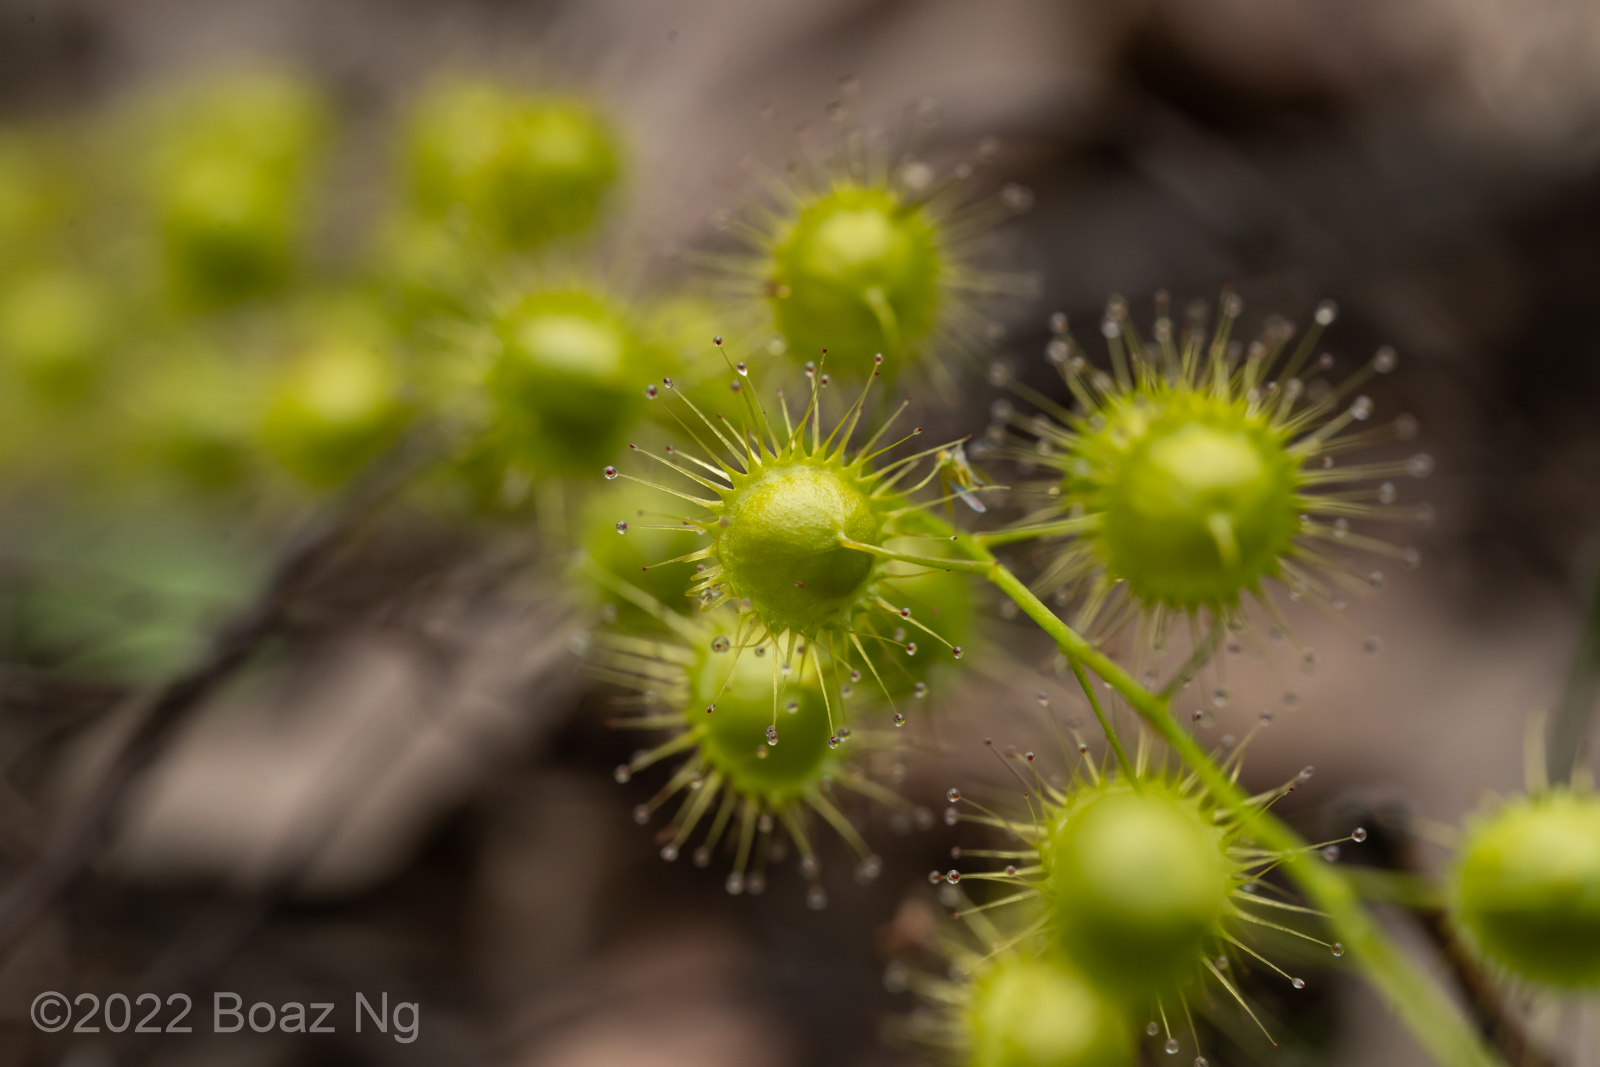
167 709
1499 1022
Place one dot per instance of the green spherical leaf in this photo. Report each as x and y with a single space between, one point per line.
570 378
779 543
1197 497
857 273
55 328
335 407
736 738
195 413
626 555
524 168
1138 884
230 229
1527 888
1039 1013
231 185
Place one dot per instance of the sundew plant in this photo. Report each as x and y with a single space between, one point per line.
781 581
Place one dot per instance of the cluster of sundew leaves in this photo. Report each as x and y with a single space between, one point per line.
1131 877
801 583
1201 470
184 314
861 246
1191 474
181 346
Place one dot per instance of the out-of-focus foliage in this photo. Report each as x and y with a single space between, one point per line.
188 359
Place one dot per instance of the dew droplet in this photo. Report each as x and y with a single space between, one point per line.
1201 1061
1331 853
1152 1029
1011 869
844 733
919 690
669 852
911 648
772 735
1298 983
1306 772
869 869
953 795
761 650
702 856
610 473
952 876
1387 493
741 368
1359 834
1385 360
1419 465
1171 1046
934 877
651 391
1220 698
734 884
623 774
641 814
1376 579
756 884
956 652
1361 410
846 692
833 742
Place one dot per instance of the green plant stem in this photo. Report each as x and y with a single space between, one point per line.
1571 723
1105 723
1435 1020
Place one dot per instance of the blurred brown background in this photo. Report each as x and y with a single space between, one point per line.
431 812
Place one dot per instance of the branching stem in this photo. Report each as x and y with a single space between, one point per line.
1435 1020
